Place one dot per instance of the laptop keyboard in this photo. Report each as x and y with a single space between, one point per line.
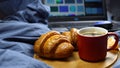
69 26
78 27
116 26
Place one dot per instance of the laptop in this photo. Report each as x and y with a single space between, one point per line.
67 14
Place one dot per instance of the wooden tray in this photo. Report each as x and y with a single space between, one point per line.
75 62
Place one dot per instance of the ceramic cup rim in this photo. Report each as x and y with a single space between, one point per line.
98 28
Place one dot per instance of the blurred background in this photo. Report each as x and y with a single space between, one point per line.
113 7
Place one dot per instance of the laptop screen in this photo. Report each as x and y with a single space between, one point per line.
76 10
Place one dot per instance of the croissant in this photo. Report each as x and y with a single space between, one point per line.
53 45
72 36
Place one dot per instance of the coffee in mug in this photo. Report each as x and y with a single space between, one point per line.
92 34
92 43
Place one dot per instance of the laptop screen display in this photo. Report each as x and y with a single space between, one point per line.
76 10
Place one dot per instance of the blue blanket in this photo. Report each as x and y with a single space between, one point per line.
23 22
16 44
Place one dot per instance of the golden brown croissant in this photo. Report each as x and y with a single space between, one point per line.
53 45
72 36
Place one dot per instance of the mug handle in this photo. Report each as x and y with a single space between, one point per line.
116 40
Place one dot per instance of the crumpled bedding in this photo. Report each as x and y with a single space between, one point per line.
19 31
16 45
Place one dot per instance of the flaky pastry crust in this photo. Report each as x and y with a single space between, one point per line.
53 45
72 36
